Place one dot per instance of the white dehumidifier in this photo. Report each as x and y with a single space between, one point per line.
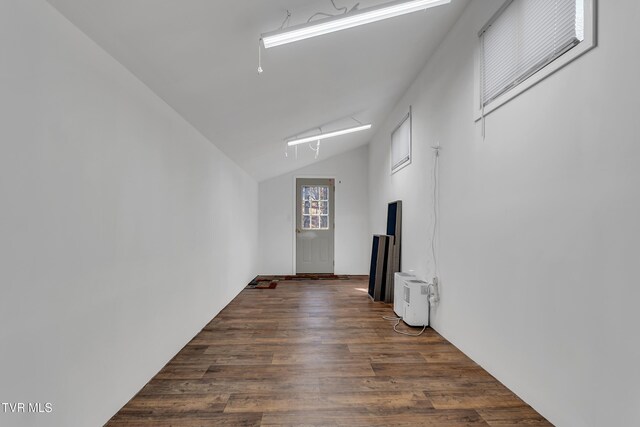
415 303
399 280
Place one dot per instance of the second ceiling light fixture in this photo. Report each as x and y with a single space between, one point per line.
348 20
321 136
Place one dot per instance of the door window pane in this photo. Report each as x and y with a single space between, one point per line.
324 193
324 208
315 207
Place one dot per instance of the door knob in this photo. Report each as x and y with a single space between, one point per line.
298 230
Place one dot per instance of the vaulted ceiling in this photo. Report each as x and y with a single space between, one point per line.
201 57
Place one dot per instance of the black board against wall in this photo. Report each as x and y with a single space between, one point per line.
394 225
392 217
379 265
394 229
374 265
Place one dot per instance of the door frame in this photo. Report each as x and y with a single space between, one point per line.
294 217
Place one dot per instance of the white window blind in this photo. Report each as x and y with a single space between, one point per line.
401 144
523 37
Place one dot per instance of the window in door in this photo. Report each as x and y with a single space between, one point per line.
315 207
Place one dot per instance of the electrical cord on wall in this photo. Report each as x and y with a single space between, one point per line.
432 289
436 164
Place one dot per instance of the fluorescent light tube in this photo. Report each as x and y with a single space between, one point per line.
350 20
327 135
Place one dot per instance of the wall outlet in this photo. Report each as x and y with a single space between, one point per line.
434 295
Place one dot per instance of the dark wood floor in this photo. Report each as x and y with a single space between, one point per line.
318 353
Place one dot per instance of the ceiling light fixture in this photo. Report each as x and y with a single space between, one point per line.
348 20
321 136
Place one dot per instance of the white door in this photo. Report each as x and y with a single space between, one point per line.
314 225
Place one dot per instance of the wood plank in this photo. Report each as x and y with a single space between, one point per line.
183 371
477 398
184 387
414 417
326 370
189 420
145 406
381 401
237 358
275 348
520 416
448 370
394 384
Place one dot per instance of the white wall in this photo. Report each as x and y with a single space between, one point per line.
352 240
539 224
123 230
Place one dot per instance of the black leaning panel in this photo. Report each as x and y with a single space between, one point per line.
379 265
394 228
392 218
372 270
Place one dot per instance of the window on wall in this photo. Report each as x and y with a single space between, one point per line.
401 144
527 40
315 207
